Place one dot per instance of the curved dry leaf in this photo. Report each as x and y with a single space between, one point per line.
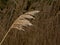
26 16
32 12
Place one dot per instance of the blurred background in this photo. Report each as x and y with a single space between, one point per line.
46 26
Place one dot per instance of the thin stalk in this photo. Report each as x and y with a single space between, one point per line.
5 37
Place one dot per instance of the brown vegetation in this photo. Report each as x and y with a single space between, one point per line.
46 29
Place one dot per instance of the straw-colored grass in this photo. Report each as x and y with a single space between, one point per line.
20 22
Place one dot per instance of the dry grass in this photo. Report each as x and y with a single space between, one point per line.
46 28
20 22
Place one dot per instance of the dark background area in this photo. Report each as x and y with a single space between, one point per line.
46 26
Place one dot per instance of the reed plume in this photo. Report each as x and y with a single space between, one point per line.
21 21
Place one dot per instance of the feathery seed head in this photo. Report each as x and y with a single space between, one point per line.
22 20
